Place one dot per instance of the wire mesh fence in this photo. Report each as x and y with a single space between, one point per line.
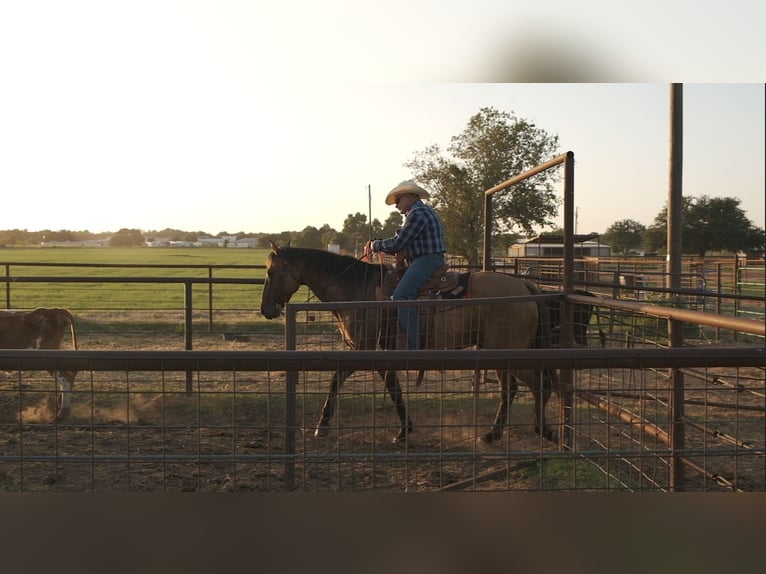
137 425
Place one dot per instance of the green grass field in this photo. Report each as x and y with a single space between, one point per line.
192 256
162 270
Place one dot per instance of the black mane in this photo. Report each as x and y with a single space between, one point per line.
350 268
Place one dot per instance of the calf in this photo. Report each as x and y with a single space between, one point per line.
41 329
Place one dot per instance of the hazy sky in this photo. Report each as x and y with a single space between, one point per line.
243 116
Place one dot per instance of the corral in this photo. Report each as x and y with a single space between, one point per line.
665 397
237 413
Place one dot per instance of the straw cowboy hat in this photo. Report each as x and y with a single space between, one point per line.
406 187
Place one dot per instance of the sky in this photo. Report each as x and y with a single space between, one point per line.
265 117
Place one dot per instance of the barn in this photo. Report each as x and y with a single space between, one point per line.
552 245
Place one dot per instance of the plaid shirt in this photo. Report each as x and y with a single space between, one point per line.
421 234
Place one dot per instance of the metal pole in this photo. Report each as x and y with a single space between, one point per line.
210 301
674 260
369 211
7 286
291 385
188 329
529 173
567 309
501 186
485 266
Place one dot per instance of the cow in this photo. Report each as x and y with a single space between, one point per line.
42 329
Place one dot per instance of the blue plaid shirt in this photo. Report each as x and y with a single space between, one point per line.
421 234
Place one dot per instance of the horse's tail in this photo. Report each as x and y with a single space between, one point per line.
543 338
543 334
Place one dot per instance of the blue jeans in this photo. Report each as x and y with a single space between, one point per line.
418 272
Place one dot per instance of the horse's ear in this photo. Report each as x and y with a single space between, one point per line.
275 248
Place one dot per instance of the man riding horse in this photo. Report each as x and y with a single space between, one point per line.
421 241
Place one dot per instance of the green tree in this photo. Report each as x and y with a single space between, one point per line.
391 225
310 237
494 146
126 238
707 224
356 228
624 235
280 239
329 235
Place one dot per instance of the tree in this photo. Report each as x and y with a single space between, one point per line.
329 235
391 225
278 238
126 238
494 146
356 228
624 235
708 224
310 237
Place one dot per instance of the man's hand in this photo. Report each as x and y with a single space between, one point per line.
368 250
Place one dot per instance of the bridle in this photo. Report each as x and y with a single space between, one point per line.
290 269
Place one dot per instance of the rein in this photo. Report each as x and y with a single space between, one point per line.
356 337
339 275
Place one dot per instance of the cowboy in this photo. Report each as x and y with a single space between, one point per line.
421 241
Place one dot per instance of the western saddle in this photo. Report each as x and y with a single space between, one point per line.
443 284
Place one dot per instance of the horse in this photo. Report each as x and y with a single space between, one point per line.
333 277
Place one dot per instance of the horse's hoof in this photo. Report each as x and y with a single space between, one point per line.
62 414
403 434
492 436
489 438
400 438
548 434
552 437
321 432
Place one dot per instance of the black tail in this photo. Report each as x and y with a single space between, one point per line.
543 338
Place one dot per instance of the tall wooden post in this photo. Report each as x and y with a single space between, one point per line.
674 259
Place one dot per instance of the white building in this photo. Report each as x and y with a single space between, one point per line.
550 245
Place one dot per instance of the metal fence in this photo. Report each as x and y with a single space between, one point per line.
247 421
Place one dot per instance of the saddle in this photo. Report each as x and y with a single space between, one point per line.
443 284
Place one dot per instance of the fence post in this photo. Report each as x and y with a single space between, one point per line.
8 286
674 261
567 311
188 328
210 300
487 252
291 383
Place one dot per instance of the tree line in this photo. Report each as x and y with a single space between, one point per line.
494 146
708 225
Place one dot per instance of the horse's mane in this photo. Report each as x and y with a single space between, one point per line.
332 263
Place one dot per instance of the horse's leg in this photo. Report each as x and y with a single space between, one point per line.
508 388
64 382
395 392
323 426
542 386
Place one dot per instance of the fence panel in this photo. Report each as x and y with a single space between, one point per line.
136 426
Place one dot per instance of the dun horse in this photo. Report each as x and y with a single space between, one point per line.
332 278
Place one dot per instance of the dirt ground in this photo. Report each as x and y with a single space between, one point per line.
142 431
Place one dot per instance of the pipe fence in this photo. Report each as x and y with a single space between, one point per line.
248 421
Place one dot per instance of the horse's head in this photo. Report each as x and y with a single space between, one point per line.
281 282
